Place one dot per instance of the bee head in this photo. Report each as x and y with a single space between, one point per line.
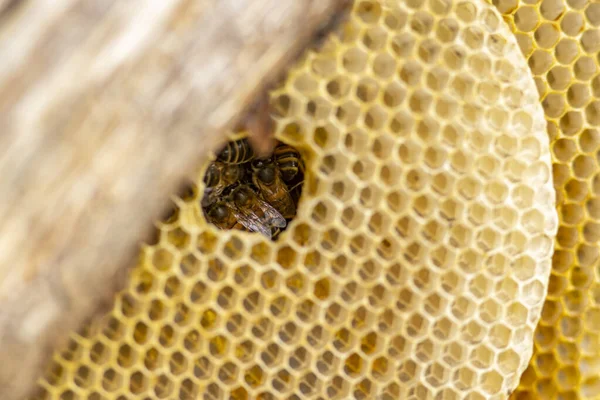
241 197
266 174
219 212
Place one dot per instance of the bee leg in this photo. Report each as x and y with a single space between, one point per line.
261 127
295 192
295 186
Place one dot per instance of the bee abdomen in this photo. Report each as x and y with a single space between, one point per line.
237 152
289 171
289 162
212 176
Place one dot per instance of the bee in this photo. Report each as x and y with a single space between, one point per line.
254 213
238 152
289 162
218 177
221 215
266 176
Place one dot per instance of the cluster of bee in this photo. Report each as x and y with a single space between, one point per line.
250 193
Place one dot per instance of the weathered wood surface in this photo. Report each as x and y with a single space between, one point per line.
105 107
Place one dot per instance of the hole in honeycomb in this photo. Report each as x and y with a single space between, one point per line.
247 193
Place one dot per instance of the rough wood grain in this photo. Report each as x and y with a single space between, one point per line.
105 106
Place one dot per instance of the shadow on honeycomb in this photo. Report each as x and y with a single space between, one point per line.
253 194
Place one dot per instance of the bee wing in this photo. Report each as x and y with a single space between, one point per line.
272 216
252 222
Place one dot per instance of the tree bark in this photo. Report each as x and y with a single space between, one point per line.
105 107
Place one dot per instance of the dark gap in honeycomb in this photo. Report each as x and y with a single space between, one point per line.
253 194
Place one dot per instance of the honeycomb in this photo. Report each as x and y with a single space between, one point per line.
417 264
561 41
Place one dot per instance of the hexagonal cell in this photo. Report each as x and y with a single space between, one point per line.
425 350
380 368
465 378
216 271
138 383
289 333
436 375
306 311
283 381
203 368
218 346
454 354
375 118
408 371
490 311
173 287
463 308
332 240
352 292
417 326
296 284
253 303
323 212
68 395
111 380
435 305
343 190
178 237
474 331
362 319
375 38
207 242
272 355
261 253
254 376
369 343
245 351
188 390
334 165
491 382
227 298
508 361
127 356
353 365
379 297
167 336
338 87
360 245
162 259
280 306
299 359
481 357
262 329
314 262
317 337
517 314
83 378
163 387
363 390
